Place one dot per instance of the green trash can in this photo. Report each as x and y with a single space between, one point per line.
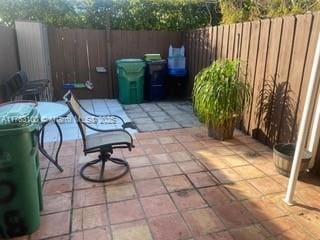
130 74
20 180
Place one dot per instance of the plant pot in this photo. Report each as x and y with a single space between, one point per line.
222 132
283 158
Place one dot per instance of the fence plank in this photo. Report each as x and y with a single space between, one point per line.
225 42
252 61
220 41
259 77
232 41
266 129
238 40
309 61
303 29
285 59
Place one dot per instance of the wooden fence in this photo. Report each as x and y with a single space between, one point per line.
69 56
278 54
9 61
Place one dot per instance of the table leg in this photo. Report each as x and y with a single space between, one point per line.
42 149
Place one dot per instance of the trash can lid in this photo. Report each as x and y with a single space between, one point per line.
16 115
130 60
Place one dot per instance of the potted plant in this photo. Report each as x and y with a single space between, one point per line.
219 97
283 154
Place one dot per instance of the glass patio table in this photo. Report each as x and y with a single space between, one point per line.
51 112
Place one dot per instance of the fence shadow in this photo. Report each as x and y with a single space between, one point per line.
274 112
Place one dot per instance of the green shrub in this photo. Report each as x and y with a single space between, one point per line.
220 93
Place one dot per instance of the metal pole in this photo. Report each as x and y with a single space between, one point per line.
303 130
314 133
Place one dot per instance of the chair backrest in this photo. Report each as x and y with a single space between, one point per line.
22 77
75 109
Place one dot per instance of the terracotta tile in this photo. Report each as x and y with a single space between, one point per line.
285 228
243 190
124 179
176 183
58 186
54 173
214 163
235 160
133 153
133 230
242 150
277 199
150 187
173 147
234 215
148 141
263 209
266 185
216 236
180 156
226 175
143 173
185 138
167 169
247 172
216 195
139 161
120 192
231 142
64 237
89 217
145 135
259 147
203 221
224 151
188 199
125 211
193 145
167 140
154 149
256 232
160 158
65 161
50 225
201 179
56 203
310 221
80 183
88 197
158 205
190 166
267 168
100 233
169 227
309 196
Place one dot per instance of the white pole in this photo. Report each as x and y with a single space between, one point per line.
303 130
314 133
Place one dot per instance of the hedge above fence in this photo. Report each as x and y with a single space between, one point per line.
173 15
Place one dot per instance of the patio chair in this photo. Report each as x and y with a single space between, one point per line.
102 140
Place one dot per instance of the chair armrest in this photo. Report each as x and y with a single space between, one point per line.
131 125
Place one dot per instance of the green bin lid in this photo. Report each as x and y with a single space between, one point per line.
130 60
17 115
152 56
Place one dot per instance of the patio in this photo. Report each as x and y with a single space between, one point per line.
181 185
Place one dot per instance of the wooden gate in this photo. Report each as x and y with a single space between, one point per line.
69 60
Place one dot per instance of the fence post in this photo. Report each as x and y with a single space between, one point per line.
109 59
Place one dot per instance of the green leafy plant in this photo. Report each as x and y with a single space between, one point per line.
220 93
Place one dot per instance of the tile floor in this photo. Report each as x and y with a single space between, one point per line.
162 115
147 116
181 185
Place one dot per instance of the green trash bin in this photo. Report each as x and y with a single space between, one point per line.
20 180
130 74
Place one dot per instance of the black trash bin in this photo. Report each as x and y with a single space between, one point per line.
155 78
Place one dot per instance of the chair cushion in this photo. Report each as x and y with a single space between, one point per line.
99 139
